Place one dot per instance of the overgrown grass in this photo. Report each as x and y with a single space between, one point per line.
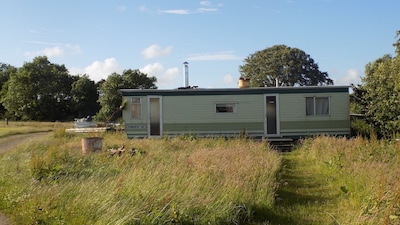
168 181
13 127
186 180
339 181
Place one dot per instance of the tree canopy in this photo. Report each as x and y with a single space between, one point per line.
378 97
45 91
285 65
111 99
38 90
84 93
5 72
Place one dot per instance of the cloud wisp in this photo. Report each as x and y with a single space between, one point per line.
205 6
176 11
228 55
57 50
154 51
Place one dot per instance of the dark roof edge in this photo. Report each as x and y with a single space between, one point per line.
234 91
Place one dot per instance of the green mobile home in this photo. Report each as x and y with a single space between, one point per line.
270 112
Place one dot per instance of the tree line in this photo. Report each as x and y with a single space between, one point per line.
45 91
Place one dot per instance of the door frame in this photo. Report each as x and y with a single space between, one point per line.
278 129
149 115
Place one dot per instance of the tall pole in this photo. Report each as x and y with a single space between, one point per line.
186 73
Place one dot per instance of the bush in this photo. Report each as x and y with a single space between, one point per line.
360 127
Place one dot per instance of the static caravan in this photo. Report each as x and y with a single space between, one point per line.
270 112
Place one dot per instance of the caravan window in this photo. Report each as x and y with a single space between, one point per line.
136 108
318 106
225 108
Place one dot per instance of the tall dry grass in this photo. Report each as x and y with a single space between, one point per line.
168 181
365 175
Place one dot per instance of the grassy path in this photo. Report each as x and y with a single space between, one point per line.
306 195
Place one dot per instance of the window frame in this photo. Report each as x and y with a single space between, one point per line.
316 109
225 105
137 114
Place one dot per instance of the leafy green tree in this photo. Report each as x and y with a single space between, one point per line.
378 97
110 97
5 73
39 90
84 95
285 65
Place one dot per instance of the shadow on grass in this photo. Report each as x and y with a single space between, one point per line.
272 217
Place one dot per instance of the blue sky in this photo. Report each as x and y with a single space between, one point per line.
157 36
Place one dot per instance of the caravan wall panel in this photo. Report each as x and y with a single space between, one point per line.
197 115
294 121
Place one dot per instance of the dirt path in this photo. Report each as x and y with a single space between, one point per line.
8 143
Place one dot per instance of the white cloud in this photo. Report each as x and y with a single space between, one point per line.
58 50
207 9
153 69
352 76
205 3
98 70
164 77
229 55
154 51
206 6
228 79
176 11
169 77
55 51
43 43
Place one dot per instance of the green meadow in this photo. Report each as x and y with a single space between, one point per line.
188 180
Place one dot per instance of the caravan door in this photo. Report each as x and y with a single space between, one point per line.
154 116
271 120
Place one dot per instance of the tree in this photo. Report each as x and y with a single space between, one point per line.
110 98
285 65
5 73
378 97
84 95
39 90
